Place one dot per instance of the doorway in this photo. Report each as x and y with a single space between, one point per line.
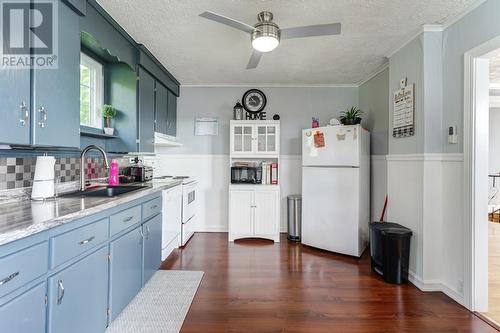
493 313
482 182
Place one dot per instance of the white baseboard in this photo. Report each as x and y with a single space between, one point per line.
213 229
429 285
435 285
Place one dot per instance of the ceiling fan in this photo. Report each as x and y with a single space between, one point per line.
266 35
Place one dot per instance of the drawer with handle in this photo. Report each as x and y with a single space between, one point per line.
77 241
124 219
22 267
151 208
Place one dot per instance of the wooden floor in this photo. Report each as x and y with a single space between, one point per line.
258 286
493 272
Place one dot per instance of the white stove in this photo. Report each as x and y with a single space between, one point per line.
188 210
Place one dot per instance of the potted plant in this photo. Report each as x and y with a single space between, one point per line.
351 116
108 112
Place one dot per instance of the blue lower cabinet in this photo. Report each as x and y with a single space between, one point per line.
125 270
25 313
152 246
77 296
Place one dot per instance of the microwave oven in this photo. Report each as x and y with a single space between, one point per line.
246 175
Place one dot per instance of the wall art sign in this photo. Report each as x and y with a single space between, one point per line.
404 111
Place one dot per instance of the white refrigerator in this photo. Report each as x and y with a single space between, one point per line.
336 188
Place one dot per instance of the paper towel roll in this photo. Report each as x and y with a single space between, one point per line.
44 169
42 189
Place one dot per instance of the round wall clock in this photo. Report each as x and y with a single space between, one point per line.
254 101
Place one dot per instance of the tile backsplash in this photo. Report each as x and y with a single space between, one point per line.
18 172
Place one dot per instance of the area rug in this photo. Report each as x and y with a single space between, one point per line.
161 306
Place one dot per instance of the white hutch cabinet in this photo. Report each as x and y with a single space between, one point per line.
254 209
255 137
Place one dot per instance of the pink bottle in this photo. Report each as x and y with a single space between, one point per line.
113 173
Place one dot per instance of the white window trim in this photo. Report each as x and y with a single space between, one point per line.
97 100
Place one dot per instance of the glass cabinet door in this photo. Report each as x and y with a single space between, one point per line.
266 139
242 138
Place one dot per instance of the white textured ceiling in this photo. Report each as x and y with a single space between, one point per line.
199 51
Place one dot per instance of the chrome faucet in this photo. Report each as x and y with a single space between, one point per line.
82 163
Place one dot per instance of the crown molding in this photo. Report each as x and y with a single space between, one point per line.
376 72
269 85
417 32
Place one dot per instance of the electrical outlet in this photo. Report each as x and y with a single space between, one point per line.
460 286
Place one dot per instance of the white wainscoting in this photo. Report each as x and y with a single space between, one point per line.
426 194
212 172
378 179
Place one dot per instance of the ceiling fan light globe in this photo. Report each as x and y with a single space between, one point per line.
265 43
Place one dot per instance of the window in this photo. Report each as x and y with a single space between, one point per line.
91 91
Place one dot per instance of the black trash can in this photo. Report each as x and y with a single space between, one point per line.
390 251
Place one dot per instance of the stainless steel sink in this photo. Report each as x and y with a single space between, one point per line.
104 191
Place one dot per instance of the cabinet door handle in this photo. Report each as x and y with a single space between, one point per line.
154 206
60 291
142 235
24 114
8 278
127 219
43 114
85 241
147 232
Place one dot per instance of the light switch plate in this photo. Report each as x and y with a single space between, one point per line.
452 134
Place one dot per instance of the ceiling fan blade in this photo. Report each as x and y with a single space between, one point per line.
311 31
227 21
254 59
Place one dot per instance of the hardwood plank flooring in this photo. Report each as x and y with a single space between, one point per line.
258 286
493 272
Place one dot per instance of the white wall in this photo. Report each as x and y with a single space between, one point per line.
474 29
212 172
374 101
431 199
207 158
295 105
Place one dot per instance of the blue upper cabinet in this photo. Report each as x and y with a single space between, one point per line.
161 108
172 114
146 111
56 109
42 107
166 92
15 106
110 36
165 110
147 60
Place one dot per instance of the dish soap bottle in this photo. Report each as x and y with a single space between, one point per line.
113 173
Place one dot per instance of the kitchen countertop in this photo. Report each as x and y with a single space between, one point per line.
25 218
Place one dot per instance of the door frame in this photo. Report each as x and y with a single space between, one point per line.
476 65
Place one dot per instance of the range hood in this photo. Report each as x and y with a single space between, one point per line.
164 140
